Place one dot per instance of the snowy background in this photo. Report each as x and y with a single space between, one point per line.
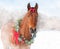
48 26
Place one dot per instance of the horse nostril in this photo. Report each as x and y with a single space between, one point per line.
31 29
35 29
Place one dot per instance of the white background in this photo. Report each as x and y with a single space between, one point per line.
47 40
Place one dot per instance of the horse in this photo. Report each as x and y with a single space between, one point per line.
27 29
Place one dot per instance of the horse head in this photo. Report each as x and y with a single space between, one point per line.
33 14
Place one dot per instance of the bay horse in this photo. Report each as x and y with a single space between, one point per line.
27 28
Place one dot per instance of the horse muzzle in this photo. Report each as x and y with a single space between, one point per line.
32 30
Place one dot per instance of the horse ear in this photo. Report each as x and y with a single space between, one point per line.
28 6
36 6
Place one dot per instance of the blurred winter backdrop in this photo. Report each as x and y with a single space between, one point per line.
48 26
